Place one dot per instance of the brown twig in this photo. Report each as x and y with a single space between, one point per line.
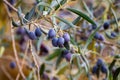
34 58
13 41
7 3
6 73
15 51
23 61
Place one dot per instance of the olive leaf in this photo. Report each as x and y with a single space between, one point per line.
42 68
83 15
29 15
65 21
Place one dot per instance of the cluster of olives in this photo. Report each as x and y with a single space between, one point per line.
33 35
60 41
100 66
66 54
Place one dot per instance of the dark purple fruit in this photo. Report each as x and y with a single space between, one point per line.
64 52
95 69
94 27
44 76
12 65
54 42
54 78
104 69
113 34
99 36
100 62
106 25
32 35
38 32
66 37
68 56
60 41
51 33
20 31
44 50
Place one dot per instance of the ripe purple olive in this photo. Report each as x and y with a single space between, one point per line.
64 52
99 36
38 32
12 65
43 50
54 42
32 35
104 69
54 78
100 62
66 37
113 34
94 27
44 76
60 41
20 31
68 56
95 69
51 33
106 25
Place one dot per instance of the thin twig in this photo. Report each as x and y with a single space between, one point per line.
23 61
6 73
15 51
7 3
34 58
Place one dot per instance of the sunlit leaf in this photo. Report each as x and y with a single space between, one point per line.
2 49
61 68
91 37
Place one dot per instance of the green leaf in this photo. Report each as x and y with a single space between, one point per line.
15 24
29 15
76 20
59 59
42 68
61 3
83 15
2 30
2 49
115 76
55 54
65 21
91 37
74 56
43 4
30 76
62 67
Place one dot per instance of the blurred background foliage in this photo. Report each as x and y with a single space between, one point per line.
49 60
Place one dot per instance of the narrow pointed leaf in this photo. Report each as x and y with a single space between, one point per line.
65 21
83 15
